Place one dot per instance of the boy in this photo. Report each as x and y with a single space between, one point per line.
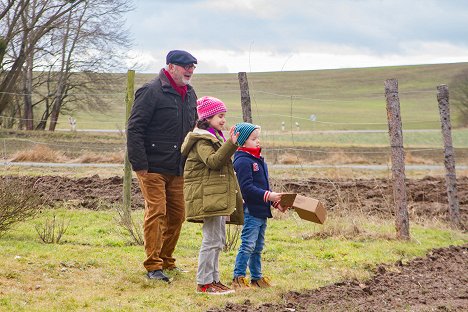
252 174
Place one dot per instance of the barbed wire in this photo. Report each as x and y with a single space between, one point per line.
72 145
313 150
68 94
252 91
239 117
310 150
57 122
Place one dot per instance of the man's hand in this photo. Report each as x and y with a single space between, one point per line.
141 172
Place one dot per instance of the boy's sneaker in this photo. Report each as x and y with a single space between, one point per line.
264 282
240 282
223 287
211 289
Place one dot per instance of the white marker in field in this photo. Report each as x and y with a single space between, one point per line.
282 126
72 122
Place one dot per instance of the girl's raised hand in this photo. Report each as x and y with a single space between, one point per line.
233 136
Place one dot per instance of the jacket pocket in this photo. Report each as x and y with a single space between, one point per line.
163 154
215 197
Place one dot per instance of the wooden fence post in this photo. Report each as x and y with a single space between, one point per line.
449 159
127 181
245 97
398 158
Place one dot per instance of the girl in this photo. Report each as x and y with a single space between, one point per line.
211 191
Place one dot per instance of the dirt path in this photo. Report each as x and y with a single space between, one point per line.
437 282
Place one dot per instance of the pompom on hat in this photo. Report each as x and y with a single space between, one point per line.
209 106
180 57
245 129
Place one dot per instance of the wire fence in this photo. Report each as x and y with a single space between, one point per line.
296 128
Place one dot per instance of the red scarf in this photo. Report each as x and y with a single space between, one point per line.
254 151
181 90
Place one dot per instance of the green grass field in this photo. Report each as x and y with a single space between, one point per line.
94 268
340 99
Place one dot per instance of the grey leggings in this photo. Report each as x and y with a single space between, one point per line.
214 238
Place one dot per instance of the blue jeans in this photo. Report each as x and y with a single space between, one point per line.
250 250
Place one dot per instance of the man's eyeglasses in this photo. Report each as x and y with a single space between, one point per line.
186 66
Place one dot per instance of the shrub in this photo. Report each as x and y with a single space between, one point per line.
19 201
52 230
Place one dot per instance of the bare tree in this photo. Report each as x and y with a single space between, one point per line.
48 14
86 43
89 52
459 95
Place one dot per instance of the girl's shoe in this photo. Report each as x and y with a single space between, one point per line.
264 282
223 287
211 289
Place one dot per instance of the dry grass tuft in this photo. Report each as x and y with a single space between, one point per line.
290 159
411 159
88 158
343 158
39 153
350 230
43 153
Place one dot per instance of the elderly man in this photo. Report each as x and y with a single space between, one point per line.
163 113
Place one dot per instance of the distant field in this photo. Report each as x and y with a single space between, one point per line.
340 99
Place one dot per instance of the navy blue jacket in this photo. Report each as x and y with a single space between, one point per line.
252 174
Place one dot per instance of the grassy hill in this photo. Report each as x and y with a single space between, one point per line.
340 99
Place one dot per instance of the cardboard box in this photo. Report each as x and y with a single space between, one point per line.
307 208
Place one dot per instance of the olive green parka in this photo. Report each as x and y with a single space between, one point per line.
210 184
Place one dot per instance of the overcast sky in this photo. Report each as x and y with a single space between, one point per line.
228 36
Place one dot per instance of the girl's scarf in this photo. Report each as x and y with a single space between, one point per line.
218 134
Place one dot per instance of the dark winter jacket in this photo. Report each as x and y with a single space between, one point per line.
210 184
158 124
252 174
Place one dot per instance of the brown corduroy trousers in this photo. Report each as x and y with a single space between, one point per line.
164 215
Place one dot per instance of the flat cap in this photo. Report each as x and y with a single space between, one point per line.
180 57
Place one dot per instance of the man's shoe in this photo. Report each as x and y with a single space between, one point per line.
240 282
158 275
176 269
264 282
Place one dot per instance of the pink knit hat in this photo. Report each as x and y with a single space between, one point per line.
209 106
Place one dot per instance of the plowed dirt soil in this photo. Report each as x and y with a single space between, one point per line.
438 282
427 197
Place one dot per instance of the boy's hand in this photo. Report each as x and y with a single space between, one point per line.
274 197
233 136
